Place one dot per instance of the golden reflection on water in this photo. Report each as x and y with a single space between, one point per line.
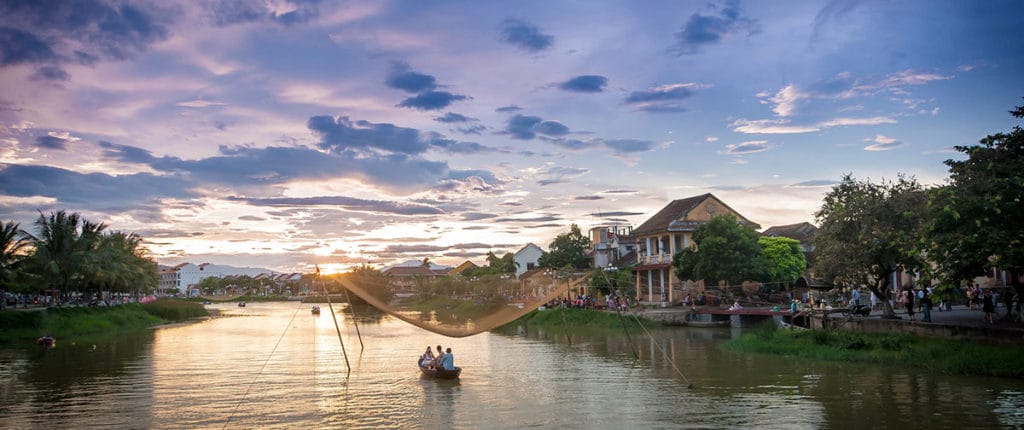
274 365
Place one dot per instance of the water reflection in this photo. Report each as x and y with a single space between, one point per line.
274 365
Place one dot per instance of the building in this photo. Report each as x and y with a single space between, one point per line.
526 258
408 278
178 279
665 234
609 244
467 265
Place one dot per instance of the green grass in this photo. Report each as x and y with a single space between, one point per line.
572 317
892 349
22 327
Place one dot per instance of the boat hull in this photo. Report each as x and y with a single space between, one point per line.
440 373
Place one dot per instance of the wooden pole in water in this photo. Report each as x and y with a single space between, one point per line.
353 310
336 328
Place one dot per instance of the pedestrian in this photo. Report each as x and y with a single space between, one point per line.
988 306
908 302
927 305
856 296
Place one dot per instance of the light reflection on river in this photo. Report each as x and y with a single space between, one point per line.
273 365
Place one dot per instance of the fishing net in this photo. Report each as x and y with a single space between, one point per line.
457 307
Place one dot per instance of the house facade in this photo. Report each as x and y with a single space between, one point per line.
526 258
178 279
665 234
609 244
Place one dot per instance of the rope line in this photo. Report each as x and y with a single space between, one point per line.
258 373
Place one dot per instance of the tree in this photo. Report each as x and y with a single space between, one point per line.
611 280
726 251
13 245
868 232
371 281
975 221
784 260
568 249
56 245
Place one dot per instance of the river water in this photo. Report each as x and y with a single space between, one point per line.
274 365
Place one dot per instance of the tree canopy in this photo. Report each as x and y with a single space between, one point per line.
783 259
975 221
726 251
868 231
568 249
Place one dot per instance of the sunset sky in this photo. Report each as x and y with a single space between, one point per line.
280 134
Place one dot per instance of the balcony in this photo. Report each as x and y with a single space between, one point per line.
654 259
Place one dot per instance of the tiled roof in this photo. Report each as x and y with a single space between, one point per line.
803 232
673 216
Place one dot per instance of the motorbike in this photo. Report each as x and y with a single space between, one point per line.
859 309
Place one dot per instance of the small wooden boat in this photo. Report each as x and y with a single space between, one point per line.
315 310
241 304
439 373
47 341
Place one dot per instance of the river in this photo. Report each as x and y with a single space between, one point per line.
274 365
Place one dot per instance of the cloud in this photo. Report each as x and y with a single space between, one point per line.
78 32
50 73
402 77
525 35
815 183
557 175
585 84
525 127
701 30
783 126
588 198
477 216
615 214
96 191
748 147
51 142
198 103
664 98
882 143
431 100
844 86
348 203
452 117
509 108
342 134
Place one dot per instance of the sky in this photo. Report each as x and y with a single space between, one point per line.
283 134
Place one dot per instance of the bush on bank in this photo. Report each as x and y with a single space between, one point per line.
936 355
573 317
19 327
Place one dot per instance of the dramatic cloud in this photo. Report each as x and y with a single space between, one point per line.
882 143
701 30
844 86
342 134
348 203
77 32
585 84
97 191
402 77
664 98
525 35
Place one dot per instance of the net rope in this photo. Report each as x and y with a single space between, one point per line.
498 318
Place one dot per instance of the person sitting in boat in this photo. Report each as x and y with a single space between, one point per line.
437 358
427 359
447 360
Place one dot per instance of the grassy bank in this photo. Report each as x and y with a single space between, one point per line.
572 317
893 349
22 327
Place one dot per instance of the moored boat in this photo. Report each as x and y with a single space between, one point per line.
241 304
440 373
47 341
315 310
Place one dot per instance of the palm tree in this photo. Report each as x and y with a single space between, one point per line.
55 243
13 245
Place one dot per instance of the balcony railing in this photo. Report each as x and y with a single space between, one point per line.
654 259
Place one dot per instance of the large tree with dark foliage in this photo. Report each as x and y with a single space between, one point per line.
568 249
726 251
868 232
977 220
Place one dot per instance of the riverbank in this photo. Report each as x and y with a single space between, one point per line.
891 349
23 327
576 318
